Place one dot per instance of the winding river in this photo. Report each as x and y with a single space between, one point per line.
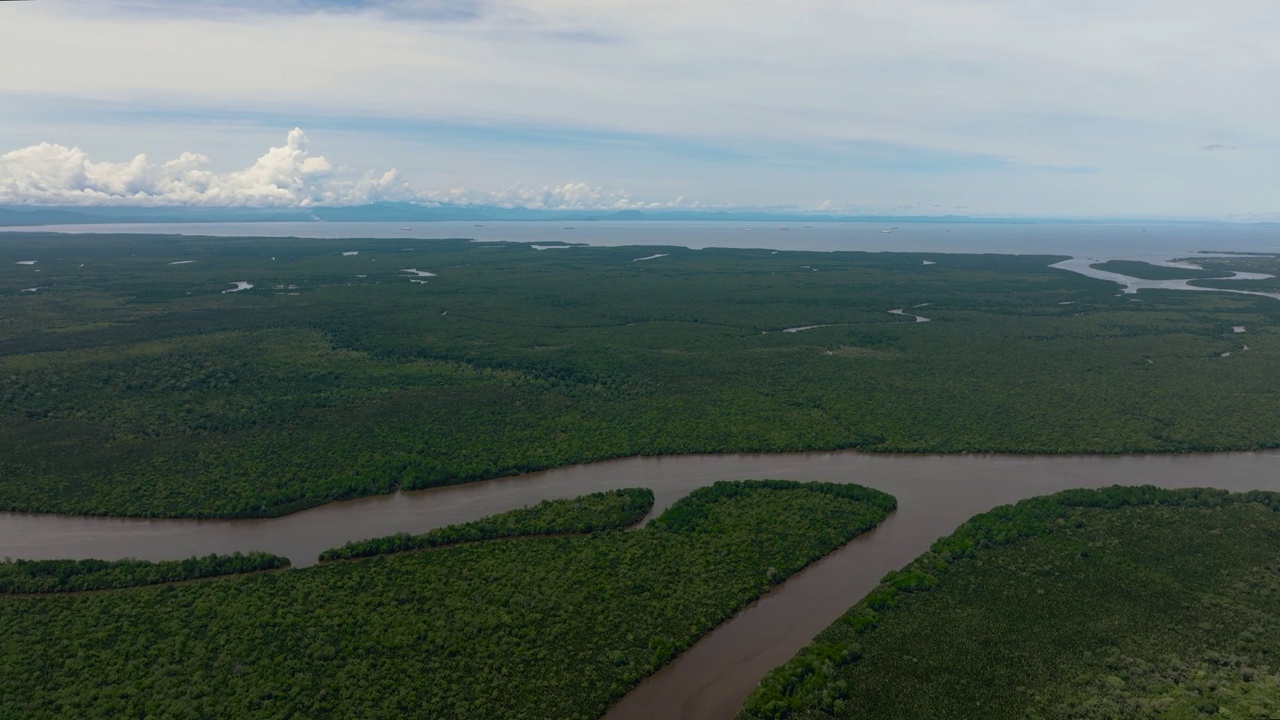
935 494
710 680
1131 285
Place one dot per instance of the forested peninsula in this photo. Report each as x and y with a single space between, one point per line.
557 626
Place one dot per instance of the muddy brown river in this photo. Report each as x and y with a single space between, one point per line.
711 679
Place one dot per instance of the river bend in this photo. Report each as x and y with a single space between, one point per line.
935 494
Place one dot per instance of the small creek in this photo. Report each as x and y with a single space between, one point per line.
900 311
935 494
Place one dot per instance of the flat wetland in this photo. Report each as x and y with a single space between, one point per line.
135 387
336 396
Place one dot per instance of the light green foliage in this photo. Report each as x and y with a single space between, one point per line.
1124 602
130 386
531 627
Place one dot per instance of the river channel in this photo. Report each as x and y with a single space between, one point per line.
710 680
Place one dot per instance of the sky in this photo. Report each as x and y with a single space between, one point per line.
1065 108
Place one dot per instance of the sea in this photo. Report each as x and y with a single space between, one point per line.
1094 240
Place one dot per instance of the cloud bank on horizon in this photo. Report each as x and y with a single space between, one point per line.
1064 107
286 176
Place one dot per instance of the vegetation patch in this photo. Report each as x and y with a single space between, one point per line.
1242 262
524 627
599 511
53 576
860 352
1123 602
1147 271
130 386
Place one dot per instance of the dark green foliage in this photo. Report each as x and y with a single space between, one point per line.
807 682
130 386
1147 271
599 511
1265 264
1125 602
527 627
48 576
691 514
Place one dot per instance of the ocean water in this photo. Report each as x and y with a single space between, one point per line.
1154 241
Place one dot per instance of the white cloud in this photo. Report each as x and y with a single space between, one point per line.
1130 90
285 176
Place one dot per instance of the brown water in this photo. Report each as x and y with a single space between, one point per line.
710 680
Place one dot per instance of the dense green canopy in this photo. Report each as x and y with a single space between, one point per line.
597 511
46 576
523 627
132 385
1124 602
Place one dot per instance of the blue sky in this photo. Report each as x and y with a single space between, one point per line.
987 107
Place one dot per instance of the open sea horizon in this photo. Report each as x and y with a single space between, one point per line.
1130 241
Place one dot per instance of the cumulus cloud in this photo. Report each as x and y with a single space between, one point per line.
285 176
